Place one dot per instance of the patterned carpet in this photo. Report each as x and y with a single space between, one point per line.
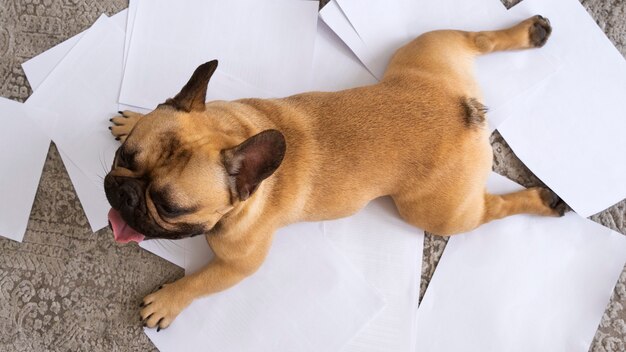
68 289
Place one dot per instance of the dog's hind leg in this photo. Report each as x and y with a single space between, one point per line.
536 200
477 209
531 33
449 51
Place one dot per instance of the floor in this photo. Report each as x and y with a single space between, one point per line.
67 289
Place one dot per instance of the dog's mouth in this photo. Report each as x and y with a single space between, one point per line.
122 232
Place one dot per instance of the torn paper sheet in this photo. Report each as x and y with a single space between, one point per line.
305 297
388 252
570 129
23 150
523 283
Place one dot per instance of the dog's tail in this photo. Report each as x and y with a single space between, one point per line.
474 112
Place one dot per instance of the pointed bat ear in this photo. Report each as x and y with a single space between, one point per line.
253 161
193 95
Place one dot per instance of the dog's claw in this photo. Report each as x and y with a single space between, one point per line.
148 317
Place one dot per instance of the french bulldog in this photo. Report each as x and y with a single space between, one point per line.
236 171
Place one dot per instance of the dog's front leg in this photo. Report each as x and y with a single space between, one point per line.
233 261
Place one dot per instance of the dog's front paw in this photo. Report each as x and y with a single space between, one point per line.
539 31
123 124
160 308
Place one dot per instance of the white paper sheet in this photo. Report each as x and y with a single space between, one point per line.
570 130
23 150
381 25
130 24
268 44
173 251
524 283
335 67
388 252
90 194
502 76
305 297
40 66
336 20
83 90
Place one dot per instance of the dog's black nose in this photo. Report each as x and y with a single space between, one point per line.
125 194
128 196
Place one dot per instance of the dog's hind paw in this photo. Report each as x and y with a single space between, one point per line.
539 31
554 202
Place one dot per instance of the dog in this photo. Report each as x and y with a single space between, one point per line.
237 171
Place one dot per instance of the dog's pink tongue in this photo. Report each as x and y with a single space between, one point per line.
121 231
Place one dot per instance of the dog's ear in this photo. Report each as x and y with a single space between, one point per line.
193 95
253 161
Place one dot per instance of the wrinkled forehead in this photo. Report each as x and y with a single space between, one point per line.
160 125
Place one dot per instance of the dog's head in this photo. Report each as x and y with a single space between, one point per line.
177 173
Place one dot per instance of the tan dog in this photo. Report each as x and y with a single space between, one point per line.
237 171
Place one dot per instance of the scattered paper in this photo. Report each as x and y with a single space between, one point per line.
335 67
388 252
82 89
23 150
40 66
130 24
523 283
570 129
90 194
273 51
336 20
305 297
383 33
